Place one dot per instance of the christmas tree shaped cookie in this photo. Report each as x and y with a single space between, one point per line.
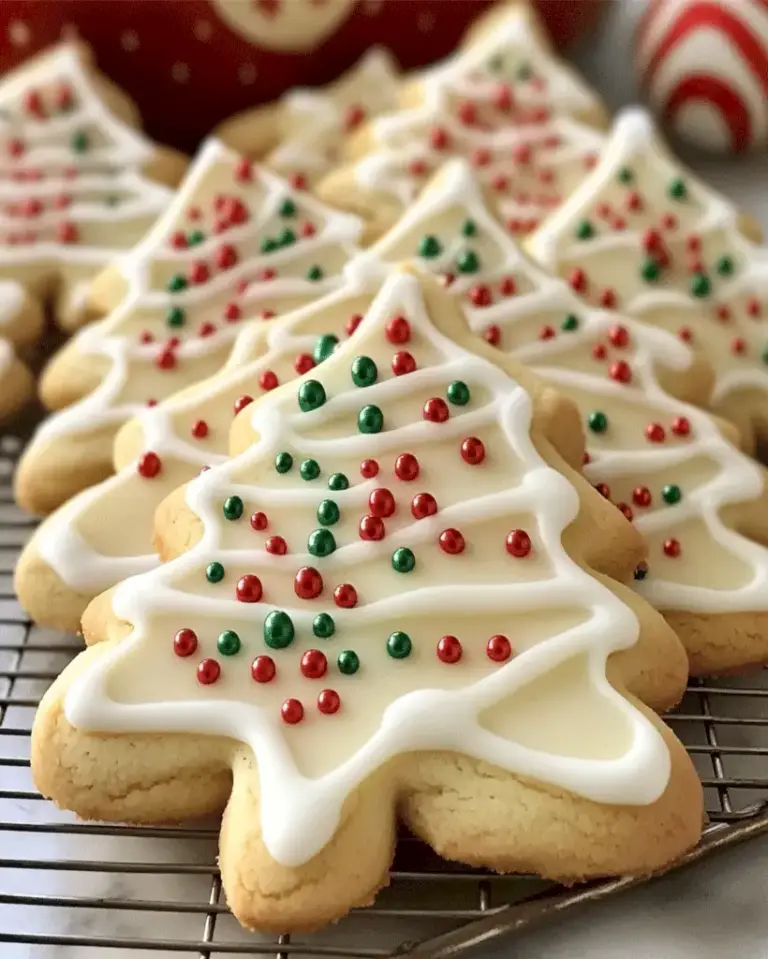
300 136
78 183
16 383
237 243
527 122
399 597
85 548
644 235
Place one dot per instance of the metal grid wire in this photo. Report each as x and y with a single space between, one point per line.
67 888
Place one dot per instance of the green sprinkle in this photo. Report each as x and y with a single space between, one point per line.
309 469
283 462
233 507
195 237
324 347
315 273
370 419
337 481
430 247
584 230
328 513
524 72
112 200
626 175
79 141
364 372
214 572
278 630
321 542
268 245
287 237
175 316
650 270
403 560
311 396
288 207
725 266
672 494
468 262
399 645
701 285
597 422
348 662
458 393
228 643
570 323
677 189
469 228
177 283
323 626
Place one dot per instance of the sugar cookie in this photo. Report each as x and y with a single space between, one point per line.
527 121
235 243
78 183
351 635
16 384
645 235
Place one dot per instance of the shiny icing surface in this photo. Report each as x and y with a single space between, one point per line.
647 235
561 622
506 103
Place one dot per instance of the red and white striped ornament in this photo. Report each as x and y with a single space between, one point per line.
704 66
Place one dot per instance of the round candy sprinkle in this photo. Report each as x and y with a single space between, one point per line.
498 648
309 470
403 363
313 665
259 521
328 513
364 372
436 410
449 649
430 247
149 465
276 545
372 528
451 541
458 393
241 402
641 571
263 669
199 429
472 450
233 508
208 671
381 502
268 380
185 642
283 462
311 395
370 419
175 316
468 262
315 273
278 630
399 645
403 560
321 542
328 702
672 494
323 626
369 469
597 422
641 496
398 330
345 596
303 363
292 712
406 467
214 572
570 323
672 547
228 643
249 589
348 662
518 543
681 426
654 433
423 505
324 347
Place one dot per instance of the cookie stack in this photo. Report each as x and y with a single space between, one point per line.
321 504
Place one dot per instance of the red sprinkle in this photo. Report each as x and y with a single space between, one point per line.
149 465
345 596
498 648
328 702
259 521
292 712
263 669
185 642
449 650
208 671
451 541
276 545
518 543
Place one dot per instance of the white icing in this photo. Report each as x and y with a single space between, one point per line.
299 815
114 339
634 136
11 301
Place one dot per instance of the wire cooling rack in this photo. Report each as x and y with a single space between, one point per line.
72 889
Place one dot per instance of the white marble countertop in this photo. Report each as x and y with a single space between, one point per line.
715 909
